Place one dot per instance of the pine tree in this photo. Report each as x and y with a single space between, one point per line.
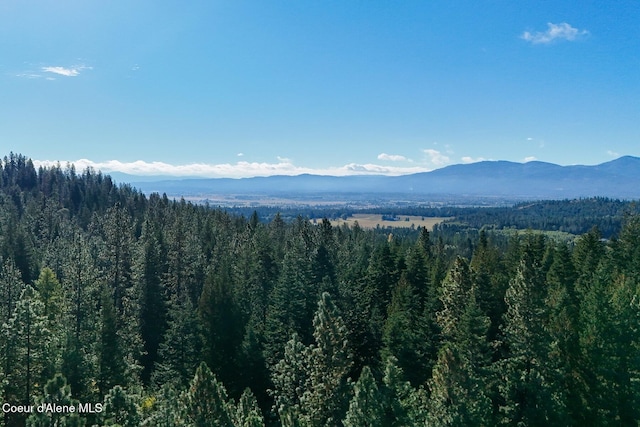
168 409
247 411
357 299
27 339
459 386
149 270
612 330
185 269
407 335
562 325
325 398
404 405
491 282
11 287
289 377
289 309
117 274
382 275
598 347
587 254
117 256
50 293
120 409
81 309
625 301
453 296
207 402
111 359
418 273
221 326
528 386
180 352
323 263
365 408
56 392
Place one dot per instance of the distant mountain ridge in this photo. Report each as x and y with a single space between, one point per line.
618 178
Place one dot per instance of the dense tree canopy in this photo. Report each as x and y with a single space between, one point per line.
167 313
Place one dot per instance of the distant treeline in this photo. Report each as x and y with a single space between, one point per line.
576 216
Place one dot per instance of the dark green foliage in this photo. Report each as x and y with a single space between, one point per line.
491 281
153 306
206 401
404 405
126 295
180 352
460 392
221 328
329 362
563 327
289 309
57 392
289 377
527 378
11 286
165 409
365 408
407 334
120 409
111 359
26 342
247 411
81 304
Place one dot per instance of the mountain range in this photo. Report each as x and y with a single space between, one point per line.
619 178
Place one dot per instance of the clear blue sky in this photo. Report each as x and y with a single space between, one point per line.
238 88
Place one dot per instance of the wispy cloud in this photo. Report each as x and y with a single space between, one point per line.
232 170
613 153
436 158
50 72
392 157
530 159
562 31
67 72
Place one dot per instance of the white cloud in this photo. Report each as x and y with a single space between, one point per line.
562 31
28 75
240 154
391 157
530 159
67 72
436 158
613 153
49 72
227 170
469 159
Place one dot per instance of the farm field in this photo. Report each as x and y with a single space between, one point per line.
375 220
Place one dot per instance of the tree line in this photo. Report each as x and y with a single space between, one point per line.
167 313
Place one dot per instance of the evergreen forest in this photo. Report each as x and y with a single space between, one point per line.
163 313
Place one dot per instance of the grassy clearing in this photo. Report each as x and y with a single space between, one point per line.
401 221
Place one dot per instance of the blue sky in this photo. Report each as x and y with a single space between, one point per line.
244 88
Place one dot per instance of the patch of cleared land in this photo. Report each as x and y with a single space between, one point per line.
375 220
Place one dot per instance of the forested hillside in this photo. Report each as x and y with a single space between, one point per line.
164 313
